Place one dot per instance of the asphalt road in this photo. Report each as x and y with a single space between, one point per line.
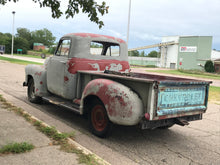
198 143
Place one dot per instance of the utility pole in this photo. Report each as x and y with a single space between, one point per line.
129 13
12 42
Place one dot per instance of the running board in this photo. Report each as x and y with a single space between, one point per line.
68 104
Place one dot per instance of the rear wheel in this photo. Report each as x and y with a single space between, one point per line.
31 92
100 124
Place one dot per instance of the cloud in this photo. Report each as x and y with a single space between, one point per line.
150 20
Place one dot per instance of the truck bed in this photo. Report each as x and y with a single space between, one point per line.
163 96
147 77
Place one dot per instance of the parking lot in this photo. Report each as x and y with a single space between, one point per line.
198 143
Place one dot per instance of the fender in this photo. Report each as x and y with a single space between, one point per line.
123 105
38 73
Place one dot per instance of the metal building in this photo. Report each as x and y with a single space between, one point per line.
187 52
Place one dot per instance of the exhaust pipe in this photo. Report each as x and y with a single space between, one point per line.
181 122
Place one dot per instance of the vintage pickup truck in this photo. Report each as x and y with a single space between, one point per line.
90 74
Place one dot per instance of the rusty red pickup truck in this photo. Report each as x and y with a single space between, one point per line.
90 75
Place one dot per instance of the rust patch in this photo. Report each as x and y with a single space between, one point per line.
66 79
38 73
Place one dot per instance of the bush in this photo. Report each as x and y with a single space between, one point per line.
52 50
209 66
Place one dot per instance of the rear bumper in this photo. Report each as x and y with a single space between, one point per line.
146 124
181 110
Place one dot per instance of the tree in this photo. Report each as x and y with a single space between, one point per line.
142 54
25 34
89 7
133 53
43 36
21 43
153 54
5 39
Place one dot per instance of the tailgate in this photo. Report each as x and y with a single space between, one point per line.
181 99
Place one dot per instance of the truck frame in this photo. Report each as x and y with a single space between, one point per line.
90 75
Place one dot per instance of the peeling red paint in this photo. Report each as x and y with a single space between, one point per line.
77 101
38 73
76 64
66 79
111 97
41 82
37 90
97 36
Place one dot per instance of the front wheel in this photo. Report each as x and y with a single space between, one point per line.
31 92
99 122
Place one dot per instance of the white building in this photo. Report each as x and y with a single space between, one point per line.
186 52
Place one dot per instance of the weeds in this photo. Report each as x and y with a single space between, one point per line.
16 148
58 138
82 158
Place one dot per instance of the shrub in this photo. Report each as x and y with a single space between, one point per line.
209 66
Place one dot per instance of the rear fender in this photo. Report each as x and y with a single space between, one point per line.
38 73
123 105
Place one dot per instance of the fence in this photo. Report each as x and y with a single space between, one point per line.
145 61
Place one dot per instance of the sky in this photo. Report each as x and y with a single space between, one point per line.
150 20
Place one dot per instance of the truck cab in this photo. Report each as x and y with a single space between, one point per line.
82 51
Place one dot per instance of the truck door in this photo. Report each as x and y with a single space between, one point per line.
56 68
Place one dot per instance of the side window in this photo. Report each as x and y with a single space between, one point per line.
113 50
104 48
64 48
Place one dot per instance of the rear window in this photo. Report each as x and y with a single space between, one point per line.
104 48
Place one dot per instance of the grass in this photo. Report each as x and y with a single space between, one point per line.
214 94
16 61
82 158
58 138
27 55
16 148
191 73
143 66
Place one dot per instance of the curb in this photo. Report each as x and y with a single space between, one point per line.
71 141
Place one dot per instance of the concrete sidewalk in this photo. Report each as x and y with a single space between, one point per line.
14 128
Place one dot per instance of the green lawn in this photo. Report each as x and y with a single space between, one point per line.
214 94
191 73
16 61
27 55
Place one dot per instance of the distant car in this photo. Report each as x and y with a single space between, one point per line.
2 49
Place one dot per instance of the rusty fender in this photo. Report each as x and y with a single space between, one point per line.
123 105
39 75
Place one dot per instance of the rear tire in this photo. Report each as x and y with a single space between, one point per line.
31 92
99 122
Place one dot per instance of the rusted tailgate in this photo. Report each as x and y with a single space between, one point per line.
181 98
